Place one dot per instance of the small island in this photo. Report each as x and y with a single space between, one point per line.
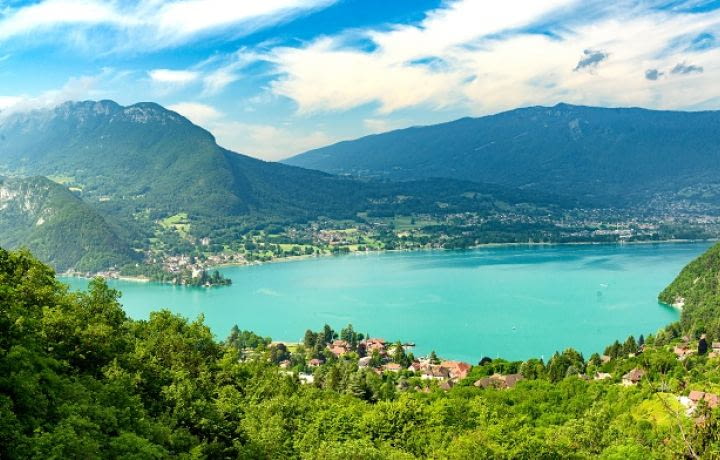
186 275
200 278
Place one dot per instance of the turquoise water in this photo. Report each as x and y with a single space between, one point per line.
515 302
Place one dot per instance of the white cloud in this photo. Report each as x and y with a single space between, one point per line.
76 88
7 102
266 141
227 71
182 19
146 25
479 57
173 77
217 80
327 76
52 13
256 139
200 114
380 125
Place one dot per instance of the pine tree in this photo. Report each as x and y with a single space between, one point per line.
309 339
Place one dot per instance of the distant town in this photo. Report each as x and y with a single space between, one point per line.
178 256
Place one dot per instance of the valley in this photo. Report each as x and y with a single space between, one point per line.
175 204
359 230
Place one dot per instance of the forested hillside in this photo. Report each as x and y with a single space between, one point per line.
145 158
142 169
57 226
697 291
602 156
79 379
144 161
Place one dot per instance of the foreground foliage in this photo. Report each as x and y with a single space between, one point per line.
78 379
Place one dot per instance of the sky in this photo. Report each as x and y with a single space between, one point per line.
273 78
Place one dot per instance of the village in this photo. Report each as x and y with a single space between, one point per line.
381 357
178 256
395 362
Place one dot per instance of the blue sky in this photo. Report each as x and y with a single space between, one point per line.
273 78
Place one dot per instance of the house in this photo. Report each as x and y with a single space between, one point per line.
306 379
604 359
315 362
285 364
435 372
711 399
338 347
364 362
375 345
458 369
602 376
683 351
393 367
447 385
415 366
512 379
633 377
338 351
499 381
715 350
494 381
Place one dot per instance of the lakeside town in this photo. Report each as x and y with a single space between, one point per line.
178 256
350 361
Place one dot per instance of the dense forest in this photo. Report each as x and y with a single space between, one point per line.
79 379
697 289
58 227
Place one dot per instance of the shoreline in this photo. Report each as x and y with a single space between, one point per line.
143 279
479 246
375 253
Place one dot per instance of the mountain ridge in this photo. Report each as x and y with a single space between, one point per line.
137 166
613 155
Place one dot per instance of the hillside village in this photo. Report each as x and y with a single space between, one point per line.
632 364
654 397
178 256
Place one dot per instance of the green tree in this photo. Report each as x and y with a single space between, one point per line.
702 346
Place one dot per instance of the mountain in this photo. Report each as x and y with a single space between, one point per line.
604 156
137 167
57 226
145 158
697 290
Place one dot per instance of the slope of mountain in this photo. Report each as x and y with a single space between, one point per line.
697 290
604 156
144 158
57 226
139 165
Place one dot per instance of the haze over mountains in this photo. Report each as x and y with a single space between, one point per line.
603 156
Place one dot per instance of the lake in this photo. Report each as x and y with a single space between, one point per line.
514 302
